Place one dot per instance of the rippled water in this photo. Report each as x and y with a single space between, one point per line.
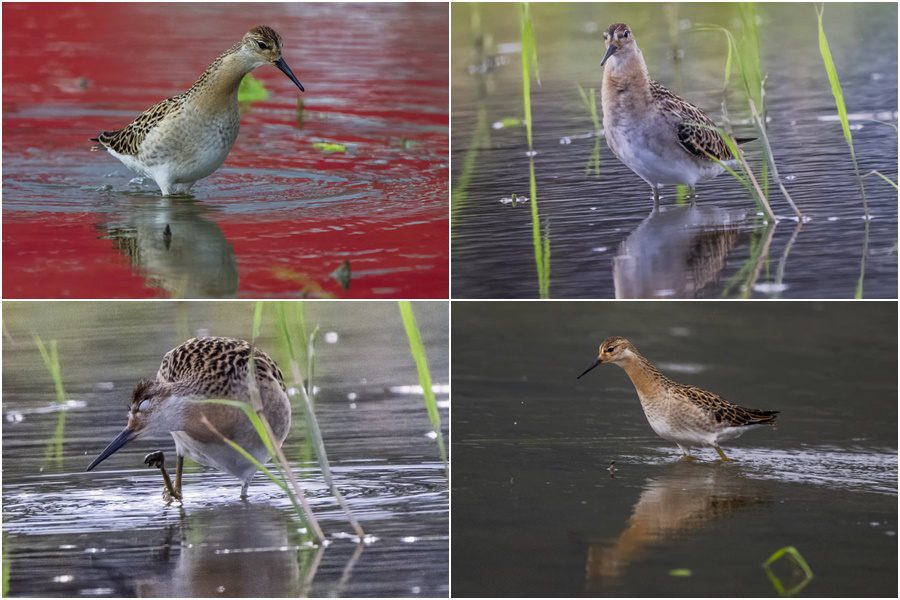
108 532
536 511
603 240
280 216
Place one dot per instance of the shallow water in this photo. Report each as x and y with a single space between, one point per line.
536 512
603 240
108 532
280 216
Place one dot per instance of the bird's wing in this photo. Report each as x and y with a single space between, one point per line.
216 363
128 139
726 412
697 133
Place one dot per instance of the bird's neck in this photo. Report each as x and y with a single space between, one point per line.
217 87
626 81
645 377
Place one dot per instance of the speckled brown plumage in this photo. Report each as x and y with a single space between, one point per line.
721 410
128 139
217 365
697 133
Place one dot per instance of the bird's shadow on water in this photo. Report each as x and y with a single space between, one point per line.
676 251
685 497
171 242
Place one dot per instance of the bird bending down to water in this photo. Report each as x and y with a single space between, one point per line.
187 137
663 138
684 414
204 369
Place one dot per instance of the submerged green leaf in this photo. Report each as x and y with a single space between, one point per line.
252 90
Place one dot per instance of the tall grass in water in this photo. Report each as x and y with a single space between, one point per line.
50 356
306 390
6 565
540 241
745 54
589 99
417 349
838 93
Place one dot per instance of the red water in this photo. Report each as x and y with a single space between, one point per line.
280 215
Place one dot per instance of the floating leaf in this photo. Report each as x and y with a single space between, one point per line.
681 572
329 147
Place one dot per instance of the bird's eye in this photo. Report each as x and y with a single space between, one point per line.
262 45
625 35
144 405
612 349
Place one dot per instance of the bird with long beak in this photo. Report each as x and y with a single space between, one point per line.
684 414
662 137
202 369
187 137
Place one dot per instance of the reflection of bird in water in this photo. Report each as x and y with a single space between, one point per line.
210 368
686 498
676 252
177 249
187 137
231 550
684 414
664 139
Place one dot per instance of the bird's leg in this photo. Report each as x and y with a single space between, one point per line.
655 197
179 469
244 490
692 194
722 454
685 453
158 459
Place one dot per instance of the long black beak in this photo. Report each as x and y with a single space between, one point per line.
609 52
594 364
284 68
123 438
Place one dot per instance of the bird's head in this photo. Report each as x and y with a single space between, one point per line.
262 45
619 41
615 350
144 416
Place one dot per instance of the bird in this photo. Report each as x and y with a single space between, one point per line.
662 137
206 368
187 137
684 414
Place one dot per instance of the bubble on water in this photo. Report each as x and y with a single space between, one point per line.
834 218
15 417
531 153
769 287
600 249
330 337
431 435
565 141
353 405
104 386
415 590
409 539
63 578
352 396
790 177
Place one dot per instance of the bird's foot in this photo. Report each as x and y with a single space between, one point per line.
722 455
688 457
155 460
158 460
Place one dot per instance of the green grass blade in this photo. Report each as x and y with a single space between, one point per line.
417 349
6 565
833 78
51 361
257 318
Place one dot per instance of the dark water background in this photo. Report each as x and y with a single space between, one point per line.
536 513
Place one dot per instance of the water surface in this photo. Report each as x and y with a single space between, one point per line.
537 513
604 241
108 532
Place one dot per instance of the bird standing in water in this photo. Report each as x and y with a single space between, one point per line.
187 137
663 138
684 414
197 370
